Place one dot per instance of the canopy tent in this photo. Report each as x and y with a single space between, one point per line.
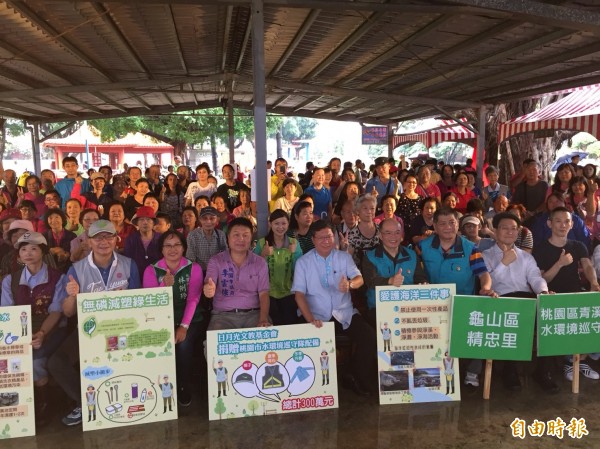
443 131
579 111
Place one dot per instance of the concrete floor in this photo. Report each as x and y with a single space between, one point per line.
358 423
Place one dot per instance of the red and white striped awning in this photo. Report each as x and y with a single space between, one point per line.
446 131
579 111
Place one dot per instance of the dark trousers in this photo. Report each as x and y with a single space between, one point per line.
63 366
184 353
364 356
283 310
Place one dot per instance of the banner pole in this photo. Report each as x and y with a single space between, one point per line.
487 379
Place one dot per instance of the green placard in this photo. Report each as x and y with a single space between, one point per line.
568 323
487 328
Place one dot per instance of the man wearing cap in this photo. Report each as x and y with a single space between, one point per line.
103 270
382 184
142 245
390 263
515 273
206 241
7 216
39 286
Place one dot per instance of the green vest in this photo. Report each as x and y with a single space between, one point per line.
280 269
180 291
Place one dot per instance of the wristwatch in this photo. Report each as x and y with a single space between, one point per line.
185 326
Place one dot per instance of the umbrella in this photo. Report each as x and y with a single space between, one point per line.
567 158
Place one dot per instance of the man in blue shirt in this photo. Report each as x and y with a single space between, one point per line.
65 185
382 184
323 278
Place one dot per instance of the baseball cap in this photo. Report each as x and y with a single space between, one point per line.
101 226
469 219
144 212
381 160
21 224
34 238
208 210
97 175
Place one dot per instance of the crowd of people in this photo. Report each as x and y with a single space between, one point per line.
335 233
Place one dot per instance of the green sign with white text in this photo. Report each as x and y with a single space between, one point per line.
492 328
568 323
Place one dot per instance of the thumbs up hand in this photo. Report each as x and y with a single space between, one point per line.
267 250
169 279
72 286
397 280
344 285
374 192
565 259
209 288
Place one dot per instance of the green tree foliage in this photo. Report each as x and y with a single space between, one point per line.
294 128
220 407
253 406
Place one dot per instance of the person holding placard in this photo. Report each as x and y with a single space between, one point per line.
515 274
560 260
328 299
451 258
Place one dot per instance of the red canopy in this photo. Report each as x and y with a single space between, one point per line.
445 131
579 111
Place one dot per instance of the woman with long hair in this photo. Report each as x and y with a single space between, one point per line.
172 199
80 247
447 182
300 221
281 252
564 174
58 238
581 200
350 192
73 209
462 192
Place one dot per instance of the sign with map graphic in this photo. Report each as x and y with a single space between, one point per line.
271 370
413 343
127 357
17 414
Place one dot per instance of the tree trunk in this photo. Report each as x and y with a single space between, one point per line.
213 151
2 138
278 139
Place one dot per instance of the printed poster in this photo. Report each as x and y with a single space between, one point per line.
17 414
498 329
271 370
127 354
413 324
568 323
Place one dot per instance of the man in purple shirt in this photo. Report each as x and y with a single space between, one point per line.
237 280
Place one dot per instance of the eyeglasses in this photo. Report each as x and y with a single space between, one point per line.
173 246
103 237
324 238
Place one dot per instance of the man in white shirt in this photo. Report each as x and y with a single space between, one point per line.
515 273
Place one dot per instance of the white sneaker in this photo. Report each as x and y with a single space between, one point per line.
588 372
594 355
471 379
568 370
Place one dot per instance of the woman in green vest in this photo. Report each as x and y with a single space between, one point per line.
186 278
281 252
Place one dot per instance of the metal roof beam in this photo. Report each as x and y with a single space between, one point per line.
122 85
565 56
474 41
542 12
305 88
310 19
396 49
501 56
37 21
344 46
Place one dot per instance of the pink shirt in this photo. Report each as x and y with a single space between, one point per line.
194 287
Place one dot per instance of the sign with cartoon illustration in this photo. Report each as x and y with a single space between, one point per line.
264 371
412 346
17 415
127 354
